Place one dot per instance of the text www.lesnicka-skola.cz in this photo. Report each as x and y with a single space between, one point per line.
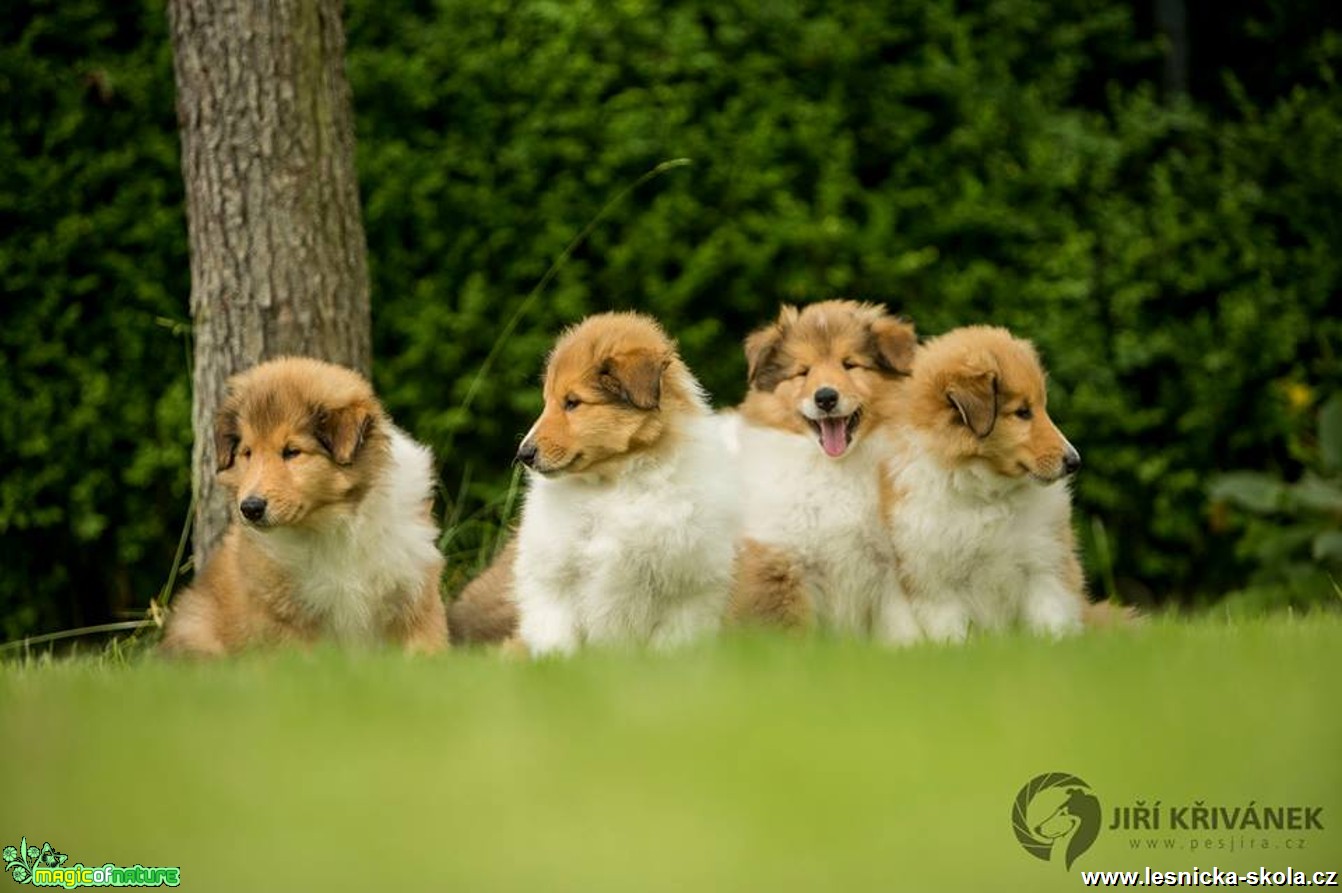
1210 877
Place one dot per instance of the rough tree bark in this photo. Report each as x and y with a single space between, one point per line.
278 262
1172 21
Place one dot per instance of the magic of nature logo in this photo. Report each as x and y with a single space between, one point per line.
46 867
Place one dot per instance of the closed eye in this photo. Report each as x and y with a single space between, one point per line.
854 364
802 372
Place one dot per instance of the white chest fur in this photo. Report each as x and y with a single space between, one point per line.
645 557
975 548
349 573
826 514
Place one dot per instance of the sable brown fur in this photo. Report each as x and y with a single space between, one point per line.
344 547
485 612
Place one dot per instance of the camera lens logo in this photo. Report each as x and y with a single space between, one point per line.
1056 811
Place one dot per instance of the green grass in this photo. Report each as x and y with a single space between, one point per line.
745 764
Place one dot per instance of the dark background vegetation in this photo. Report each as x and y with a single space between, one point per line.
1169 235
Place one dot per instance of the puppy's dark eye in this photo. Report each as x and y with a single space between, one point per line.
802 372
1024 412
571 403
851 364
246 452
289 452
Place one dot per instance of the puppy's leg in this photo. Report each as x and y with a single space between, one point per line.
545 624
895 623
1052 608
1055 600
943 619
699 616
421 625
769 588
193 626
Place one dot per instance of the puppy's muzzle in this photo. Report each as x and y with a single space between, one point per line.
253 508
826 399
1071 460
526 453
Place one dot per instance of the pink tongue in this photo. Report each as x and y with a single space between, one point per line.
834 436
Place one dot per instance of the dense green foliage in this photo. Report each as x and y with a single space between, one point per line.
95 435
1006 160
1292 531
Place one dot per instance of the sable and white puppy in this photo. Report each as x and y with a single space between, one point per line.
631 513
331 536
977 498
809 437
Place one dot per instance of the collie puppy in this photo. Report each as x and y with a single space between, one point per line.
977 498
630 517
809 437
331 535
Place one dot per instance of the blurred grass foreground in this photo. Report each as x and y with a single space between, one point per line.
746 764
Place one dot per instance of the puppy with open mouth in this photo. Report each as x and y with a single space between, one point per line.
977 498
631 512
809 438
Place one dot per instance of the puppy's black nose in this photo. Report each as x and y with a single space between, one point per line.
253 508
826 399
1071 461
526 453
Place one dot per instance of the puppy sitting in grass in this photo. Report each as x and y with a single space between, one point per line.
630 517
976 495
331 535
823 381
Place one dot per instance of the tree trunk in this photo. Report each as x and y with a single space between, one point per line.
278 263
1172 22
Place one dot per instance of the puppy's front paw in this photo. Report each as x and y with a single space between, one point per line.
1055 617
944 622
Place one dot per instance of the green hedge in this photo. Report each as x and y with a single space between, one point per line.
1005 160
95 434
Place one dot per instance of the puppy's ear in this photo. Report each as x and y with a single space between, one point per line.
975 397
634 377
342 432
896 342
227 436
764 351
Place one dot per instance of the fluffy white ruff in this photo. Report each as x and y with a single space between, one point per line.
825 513
976 548
350 570
644 558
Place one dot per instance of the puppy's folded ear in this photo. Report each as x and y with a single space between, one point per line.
896 343
342 432
764 370
634 377
975 397
227 436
